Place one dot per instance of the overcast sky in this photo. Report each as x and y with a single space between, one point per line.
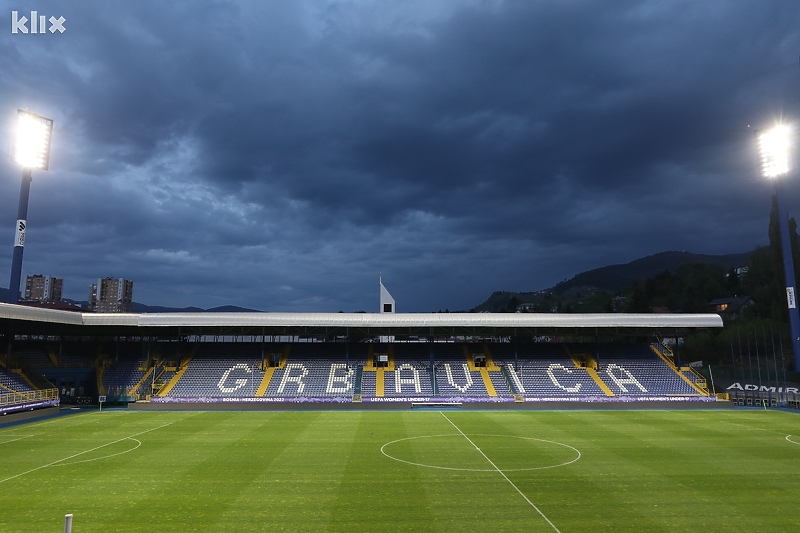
280 155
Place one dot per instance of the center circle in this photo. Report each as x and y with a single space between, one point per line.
477 453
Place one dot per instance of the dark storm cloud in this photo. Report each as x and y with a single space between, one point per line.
279 155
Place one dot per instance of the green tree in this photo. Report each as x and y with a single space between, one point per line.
733 282
511 306
638 301
597 302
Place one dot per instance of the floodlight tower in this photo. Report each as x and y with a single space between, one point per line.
775 147
31 150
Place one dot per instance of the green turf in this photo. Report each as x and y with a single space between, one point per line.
604 470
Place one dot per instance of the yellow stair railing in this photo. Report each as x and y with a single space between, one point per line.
262 387
591 369
484 370
700 382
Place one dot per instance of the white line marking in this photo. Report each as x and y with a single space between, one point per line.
788 437
137 441
83 452
577 456
18 438
502 474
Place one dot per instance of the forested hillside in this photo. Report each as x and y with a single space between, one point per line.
680 282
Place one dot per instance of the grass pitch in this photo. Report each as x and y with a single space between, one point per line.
567 471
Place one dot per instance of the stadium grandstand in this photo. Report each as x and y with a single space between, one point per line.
169 359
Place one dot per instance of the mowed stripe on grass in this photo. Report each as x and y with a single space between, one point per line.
324 471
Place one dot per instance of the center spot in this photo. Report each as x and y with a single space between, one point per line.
509 453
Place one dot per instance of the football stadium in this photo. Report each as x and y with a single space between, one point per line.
381 421
254 152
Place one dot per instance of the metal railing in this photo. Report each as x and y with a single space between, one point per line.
17 398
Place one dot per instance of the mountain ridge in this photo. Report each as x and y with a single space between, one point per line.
615 278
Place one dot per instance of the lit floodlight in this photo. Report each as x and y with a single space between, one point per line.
32 145
31 150
774 145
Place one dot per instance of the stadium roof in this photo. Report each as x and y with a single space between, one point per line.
15 319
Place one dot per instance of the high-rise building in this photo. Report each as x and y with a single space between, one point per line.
111 295
43 288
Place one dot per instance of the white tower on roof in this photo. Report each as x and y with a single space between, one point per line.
387 302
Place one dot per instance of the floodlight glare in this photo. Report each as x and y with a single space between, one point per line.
774 145
31 150
32 145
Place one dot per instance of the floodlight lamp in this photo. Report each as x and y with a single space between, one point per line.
32 145
775 145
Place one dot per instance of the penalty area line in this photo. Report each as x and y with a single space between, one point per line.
54 463
502 474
